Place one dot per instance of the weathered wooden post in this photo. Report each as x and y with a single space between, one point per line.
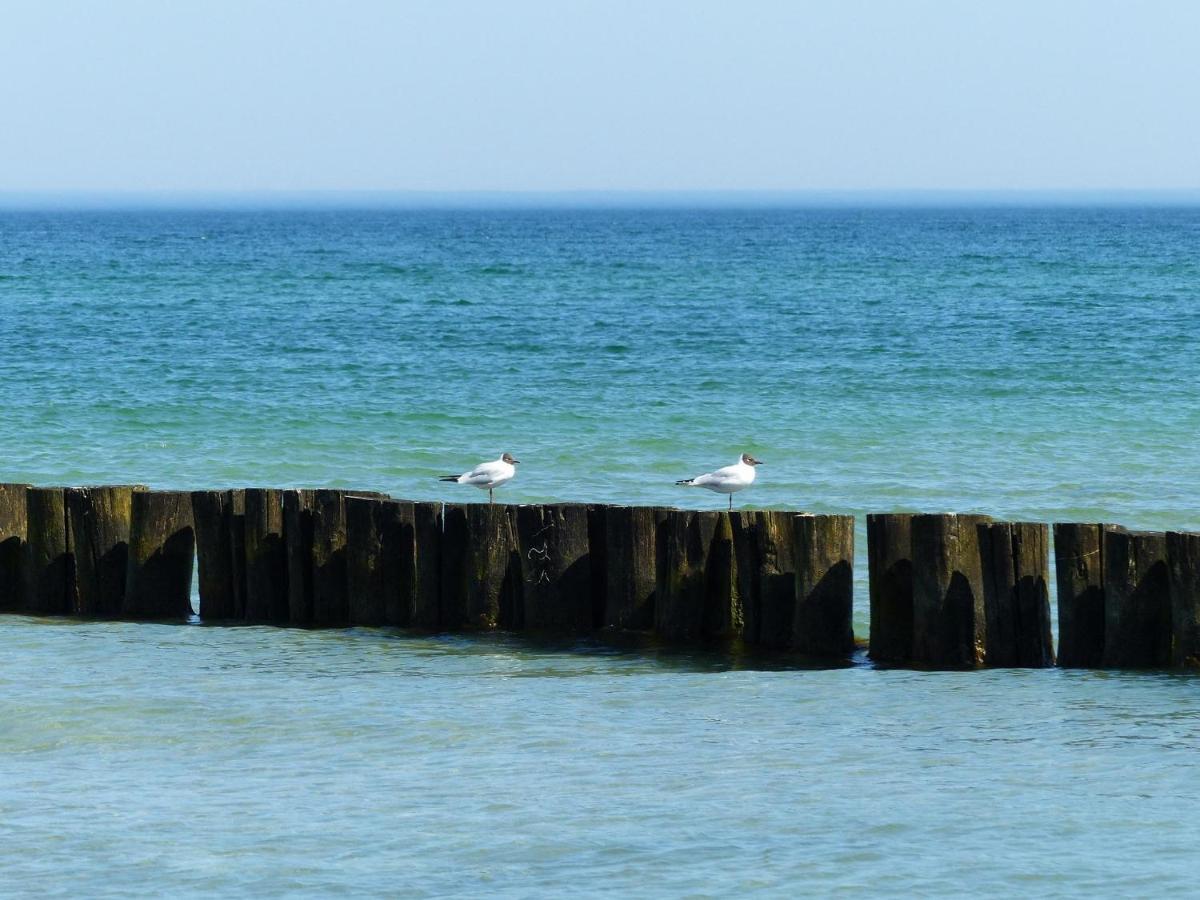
266 557
889 564
51 563
631 550
212 517
427 533
598 561
1079 568
298 541
764 550
454 556
554 569
330 603
1137 603
397 530
14 547
162 544
1183 563
237 551
722 605
695 586
824 555
478 578
1016 570
367 586
1031 561
949 621
98 519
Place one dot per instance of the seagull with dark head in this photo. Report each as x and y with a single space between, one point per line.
489 475
728 480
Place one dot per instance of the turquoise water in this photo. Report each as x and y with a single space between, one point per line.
193 761
1033 363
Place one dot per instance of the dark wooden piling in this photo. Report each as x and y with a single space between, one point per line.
51 574
98 520
14 546
722 606
453 555
397 530
597 519
479 580
949 620
330 602
162 545
1137 604
266 557
212 518
367 586
1031 561
427 535
381 568
1079 570
1016 561
554 569
889 564
631 550
824 555
237 550
765 564
695 590
298 551
1183 563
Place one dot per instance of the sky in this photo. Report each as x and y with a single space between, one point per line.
754 95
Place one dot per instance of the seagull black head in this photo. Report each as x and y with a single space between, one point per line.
508 458
749 460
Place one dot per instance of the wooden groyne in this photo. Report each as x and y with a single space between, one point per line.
949 591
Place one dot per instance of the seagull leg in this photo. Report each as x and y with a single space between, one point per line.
731 502
490 497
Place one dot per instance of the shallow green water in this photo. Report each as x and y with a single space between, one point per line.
1032 364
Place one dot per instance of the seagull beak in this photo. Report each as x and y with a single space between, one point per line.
516 462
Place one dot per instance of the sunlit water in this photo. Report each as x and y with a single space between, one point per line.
1034 364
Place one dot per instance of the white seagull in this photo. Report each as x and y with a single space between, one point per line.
488 475
728 480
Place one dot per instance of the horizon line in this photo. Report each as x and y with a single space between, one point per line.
335 198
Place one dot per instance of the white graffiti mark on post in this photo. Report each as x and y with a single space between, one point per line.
541 553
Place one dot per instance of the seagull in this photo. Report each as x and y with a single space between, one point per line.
728 480
489 475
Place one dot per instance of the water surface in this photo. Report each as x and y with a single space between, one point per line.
1034 364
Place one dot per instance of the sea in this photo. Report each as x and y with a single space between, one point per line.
1029 362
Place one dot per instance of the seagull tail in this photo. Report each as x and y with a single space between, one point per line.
690 482
449 477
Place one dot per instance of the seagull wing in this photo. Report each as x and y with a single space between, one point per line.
484 473
720 476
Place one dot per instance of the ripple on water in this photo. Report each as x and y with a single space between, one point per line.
279 761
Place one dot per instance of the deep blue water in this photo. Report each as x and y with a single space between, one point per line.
1029 363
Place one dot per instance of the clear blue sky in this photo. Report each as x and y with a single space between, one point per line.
612 95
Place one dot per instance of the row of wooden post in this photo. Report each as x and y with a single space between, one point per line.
946 591
963 591
773 579
95 551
